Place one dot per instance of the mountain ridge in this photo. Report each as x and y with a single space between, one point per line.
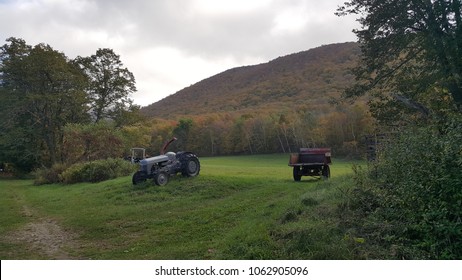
309 78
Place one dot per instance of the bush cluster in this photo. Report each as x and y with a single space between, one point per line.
93 171
49 175
410 201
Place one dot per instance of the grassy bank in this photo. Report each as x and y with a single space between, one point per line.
245 207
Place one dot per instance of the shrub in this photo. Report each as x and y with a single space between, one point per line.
97 171
49 175
411 200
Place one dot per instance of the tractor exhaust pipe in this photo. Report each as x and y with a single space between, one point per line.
164 148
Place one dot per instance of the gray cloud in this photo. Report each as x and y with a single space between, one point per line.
170 44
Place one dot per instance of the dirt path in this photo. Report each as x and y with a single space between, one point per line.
44 236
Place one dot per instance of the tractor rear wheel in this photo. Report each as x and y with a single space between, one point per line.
161 179
191 167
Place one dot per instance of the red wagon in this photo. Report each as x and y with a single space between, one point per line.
311 162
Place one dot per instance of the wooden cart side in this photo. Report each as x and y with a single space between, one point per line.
308 156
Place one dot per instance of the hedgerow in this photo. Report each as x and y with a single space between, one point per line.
97 171
93 171
410 201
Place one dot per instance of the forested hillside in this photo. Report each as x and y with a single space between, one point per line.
272 107
308 78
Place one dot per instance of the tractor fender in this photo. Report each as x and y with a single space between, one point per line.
182 155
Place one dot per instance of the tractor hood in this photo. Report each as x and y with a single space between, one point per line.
146 164
152 160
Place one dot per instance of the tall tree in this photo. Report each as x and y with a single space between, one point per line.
409 49
41 91
110 84
182 132
87 142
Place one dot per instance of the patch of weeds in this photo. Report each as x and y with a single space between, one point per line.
309 201
290 216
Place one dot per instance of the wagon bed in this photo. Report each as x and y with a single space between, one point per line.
311 162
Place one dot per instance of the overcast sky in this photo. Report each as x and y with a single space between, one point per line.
171 44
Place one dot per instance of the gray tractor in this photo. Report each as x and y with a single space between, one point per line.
161 167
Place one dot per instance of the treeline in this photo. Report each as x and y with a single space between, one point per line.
267 132
42 92
223 134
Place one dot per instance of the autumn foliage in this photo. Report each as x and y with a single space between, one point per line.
266 132
279 106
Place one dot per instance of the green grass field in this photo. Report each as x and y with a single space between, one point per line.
243 207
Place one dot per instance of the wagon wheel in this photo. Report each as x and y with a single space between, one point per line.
139 177
326 172
161 179
297 176
191 167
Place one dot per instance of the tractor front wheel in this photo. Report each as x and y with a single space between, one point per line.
161 179
139 177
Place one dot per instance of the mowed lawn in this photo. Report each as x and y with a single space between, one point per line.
240 207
